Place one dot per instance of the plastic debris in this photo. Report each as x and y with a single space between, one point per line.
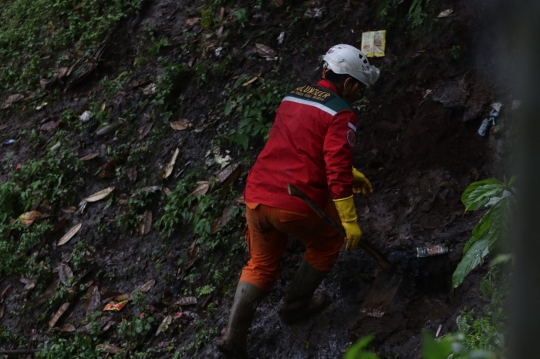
445 13
374 43
9 142
217 52
115 306
67 237
431 251
281 37
28 218
86 116
41 106
150 89
496 108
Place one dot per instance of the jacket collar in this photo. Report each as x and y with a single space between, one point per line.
327 85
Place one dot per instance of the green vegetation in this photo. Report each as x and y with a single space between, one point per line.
78 346
493 227
35 33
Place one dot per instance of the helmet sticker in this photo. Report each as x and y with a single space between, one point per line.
351 137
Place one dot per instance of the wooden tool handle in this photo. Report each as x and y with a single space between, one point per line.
364 244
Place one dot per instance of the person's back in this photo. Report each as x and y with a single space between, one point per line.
310 146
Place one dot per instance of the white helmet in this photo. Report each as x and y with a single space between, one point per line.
346 59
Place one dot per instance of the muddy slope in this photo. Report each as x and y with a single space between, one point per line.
417 143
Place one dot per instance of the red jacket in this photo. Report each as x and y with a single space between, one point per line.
310 146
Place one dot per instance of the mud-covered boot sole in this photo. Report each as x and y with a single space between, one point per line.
319 302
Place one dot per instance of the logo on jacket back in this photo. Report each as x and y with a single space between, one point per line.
351 137
312 93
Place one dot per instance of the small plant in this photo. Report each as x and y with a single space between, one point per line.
455 52
134 332
488 234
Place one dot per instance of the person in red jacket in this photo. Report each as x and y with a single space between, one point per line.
310 145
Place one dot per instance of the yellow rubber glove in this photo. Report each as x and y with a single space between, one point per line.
361 184
347 214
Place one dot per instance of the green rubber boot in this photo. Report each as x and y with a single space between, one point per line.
233 342
299 300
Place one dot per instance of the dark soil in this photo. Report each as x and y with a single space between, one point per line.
417 143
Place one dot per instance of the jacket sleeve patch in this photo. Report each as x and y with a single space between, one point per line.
351 137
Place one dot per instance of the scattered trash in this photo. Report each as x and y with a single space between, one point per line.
146 223
431 251
100 195
28 218
445 13
217 51
67 237
150 89
115 306
374 43
55 147
226 216
202 188
180 125
143 288
281 37
170 167
164 325
516 105
86 116
58 314
264 51
11 100
93 299
185 301
496 107
9 142
315 13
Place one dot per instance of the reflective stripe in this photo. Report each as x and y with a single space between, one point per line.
352 127
310 103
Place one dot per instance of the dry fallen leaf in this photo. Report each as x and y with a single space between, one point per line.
164 324
11 100
49 292
99 195
144 130
58 314
250 81
93 299
48 126
67 328
202 188
180 125
192 21
170 166
226 216
264 51
144 288
59 225
2 309
185 301
67 237
70 209
64 273
90 156
146 223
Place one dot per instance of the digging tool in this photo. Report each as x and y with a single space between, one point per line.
386 283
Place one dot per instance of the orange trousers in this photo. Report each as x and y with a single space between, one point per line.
266 237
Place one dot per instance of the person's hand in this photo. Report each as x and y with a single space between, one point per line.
352 229
361 184
347 214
